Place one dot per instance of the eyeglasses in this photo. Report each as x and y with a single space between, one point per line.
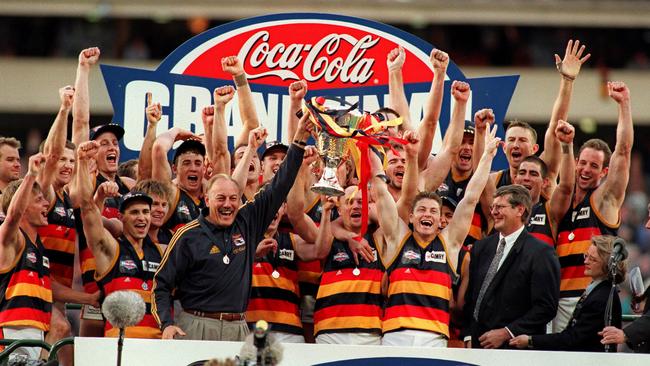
498 208
591 259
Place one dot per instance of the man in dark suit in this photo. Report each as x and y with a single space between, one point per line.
514 278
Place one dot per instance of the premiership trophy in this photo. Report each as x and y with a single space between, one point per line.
331 149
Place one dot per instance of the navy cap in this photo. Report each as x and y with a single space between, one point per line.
115 129
449 202
133 196
469 127
189 145
274 146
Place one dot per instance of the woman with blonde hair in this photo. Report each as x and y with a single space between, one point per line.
581 334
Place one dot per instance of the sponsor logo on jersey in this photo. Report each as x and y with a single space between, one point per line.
286 254
434 256
341 257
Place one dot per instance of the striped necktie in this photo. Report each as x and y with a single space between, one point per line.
494 266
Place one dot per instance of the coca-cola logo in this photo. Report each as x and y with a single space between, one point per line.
337 56
320 59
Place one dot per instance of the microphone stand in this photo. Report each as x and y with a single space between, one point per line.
120 343
610 303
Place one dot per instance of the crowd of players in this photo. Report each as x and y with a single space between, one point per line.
215 240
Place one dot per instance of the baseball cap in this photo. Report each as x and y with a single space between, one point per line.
274 146
449 202
469 127
133 196
189 145
116 129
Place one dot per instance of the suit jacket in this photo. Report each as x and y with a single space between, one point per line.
638 332
581 334
524 293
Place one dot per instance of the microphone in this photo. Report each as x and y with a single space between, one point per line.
619 252
123 309
260 333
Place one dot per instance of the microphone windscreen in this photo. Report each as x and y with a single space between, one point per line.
272 351
123 308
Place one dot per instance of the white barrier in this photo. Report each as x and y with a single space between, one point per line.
103 351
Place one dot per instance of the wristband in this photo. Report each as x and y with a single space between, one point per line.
301 143
240 80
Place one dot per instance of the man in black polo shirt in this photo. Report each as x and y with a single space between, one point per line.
208 264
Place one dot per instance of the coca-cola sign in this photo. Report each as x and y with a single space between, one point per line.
337 56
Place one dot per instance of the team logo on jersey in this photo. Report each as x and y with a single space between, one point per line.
337 56
539 219
433 256
150 266
341 257
60 211
444 188
286 254
31 256
127 265
46 262
238 240
459 192
584 213
411 256
183 209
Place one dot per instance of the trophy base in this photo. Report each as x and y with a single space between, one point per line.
327 190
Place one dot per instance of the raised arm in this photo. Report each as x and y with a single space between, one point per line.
81 107
483 119
393 228
255 139
161 169
297 92
55 143
458 228
324 240
153 113
438 168
569 68
233 66
9 233
99 240
397 97
410 185
302 224
561 198
611 193
427 129
221 155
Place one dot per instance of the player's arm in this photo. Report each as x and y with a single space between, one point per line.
153 111
221 155
81 107
561 197
612 191
232 65
427 129
302 224
255 139
396 95
458 228
410 185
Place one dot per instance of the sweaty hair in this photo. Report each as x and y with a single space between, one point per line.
127 169
10 191
543 168
598 145
605 245
9 141
519 195
525 126
430 195
154 187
